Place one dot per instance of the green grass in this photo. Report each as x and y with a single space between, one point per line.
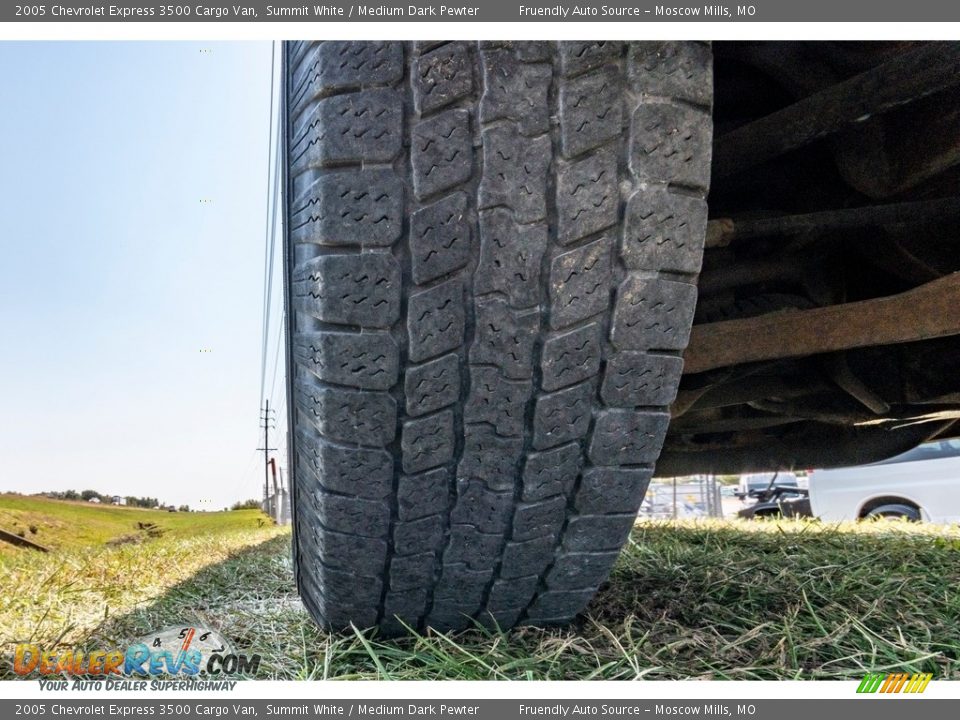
61 524
103 564
723 600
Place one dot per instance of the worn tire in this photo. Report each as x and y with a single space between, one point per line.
895 510
492 255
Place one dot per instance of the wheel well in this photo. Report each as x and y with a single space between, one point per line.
821 226
874 503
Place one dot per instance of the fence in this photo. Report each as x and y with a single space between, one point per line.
695 496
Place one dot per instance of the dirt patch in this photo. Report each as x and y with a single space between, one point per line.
145 531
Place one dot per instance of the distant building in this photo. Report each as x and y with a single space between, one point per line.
117 500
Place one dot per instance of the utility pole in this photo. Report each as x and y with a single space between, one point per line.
266 418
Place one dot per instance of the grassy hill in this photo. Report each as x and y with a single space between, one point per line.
63 524
107 562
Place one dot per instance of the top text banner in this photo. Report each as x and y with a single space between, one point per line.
484 11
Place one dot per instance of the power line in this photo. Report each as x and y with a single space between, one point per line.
273 163
273 242
276 359
271 502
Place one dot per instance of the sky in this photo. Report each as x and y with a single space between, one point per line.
132 208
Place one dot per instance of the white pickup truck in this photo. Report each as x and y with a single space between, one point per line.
920 484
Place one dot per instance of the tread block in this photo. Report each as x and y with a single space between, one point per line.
526 50
433 385
336 65
680 70
580 283
362 472
478 506
406 605
411 572
663 231
510 257
327 613
610 490
349 289
462 584
515 172
505 337
427 442
345 598
627 437
424 46
423 495
349 416
653 314
418 536
587 533
563 415
671 143
527 557
499 620
539 519
511 594
442 76
578 570
355 207
351 515
590 110
472 548
558 605
489 458
439 238
366 360
441 152
446 615
435 320
533 50
359 127
364 556
588 197
571 357
515 90
551 473
577 57
496 400
631 379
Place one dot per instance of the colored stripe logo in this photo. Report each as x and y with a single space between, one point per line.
894 683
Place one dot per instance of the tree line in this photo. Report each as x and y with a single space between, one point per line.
107 499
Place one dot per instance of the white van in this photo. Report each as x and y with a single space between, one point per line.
920 484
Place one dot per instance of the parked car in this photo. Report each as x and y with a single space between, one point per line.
780 494
789 502
753 483
920 484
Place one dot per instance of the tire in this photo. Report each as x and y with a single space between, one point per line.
491 264
895 510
